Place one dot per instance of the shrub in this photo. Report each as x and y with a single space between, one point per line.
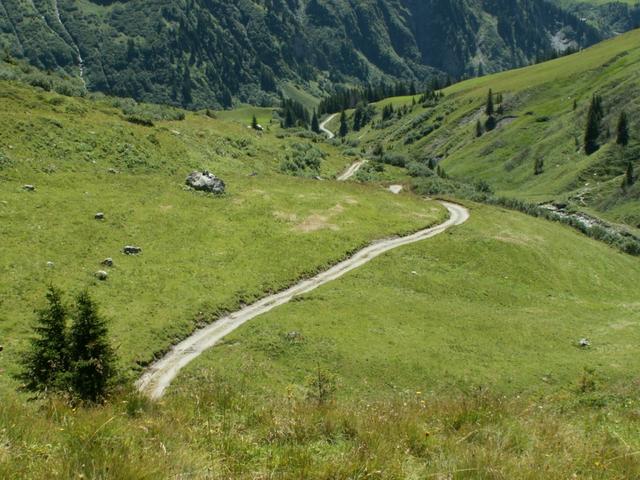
395 159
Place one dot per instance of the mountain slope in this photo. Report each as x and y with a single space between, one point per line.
544 118
201 53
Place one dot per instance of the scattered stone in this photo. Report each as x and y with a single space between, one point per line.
99 216
294 337
414 273
29 188
205 182
107 262
253 174
113 171
131 250
584 343
51 264
317 177
395 189
102 275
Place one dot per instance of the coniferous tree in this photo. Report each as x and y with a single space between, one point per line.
629 177
315 125
592 132
48 358
187 99
538 167
92 358
491 123
227 98
489 109
479 129
623 130
254 123
358 117
344 128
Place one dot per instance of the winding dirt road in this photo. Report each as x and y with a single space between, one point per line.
323 126
351 171
160 375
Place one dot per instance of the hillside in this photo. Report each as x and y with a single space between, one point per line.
376 335
543 119
199 54
609 17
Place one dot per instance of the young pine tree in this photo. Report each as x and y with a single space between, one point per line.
629 177
479 129
592 132
490 108
254 123
623 130
315 125
344 128
92 358
48 358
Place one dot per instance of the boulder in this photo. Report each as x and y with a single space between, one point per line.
102 275
584 343
131 250
107 262
29 188
205 182
50 264
99 216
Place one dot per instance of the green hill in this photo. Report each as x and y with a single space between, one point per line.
543 119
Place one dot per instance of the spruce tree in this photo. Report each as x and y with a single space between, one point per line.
92 358
623 130
489 109
187 99
315 125
358 118
344 128
479 129
48 358
592 132
629 177
254 123
491 123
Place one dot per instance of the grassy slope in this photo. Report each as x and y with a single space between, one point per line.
545 126
500 301
202 255
431 371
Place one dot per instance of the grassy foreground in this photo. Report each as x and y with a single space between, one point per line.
460 379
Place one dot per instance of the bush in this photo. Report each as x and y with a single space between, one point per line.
395 159
416 169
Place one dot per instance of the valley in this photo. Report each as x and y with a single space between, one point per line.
418 255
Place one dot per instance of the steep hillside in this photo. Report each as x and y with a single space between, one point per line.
205 53
610 17
536 151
